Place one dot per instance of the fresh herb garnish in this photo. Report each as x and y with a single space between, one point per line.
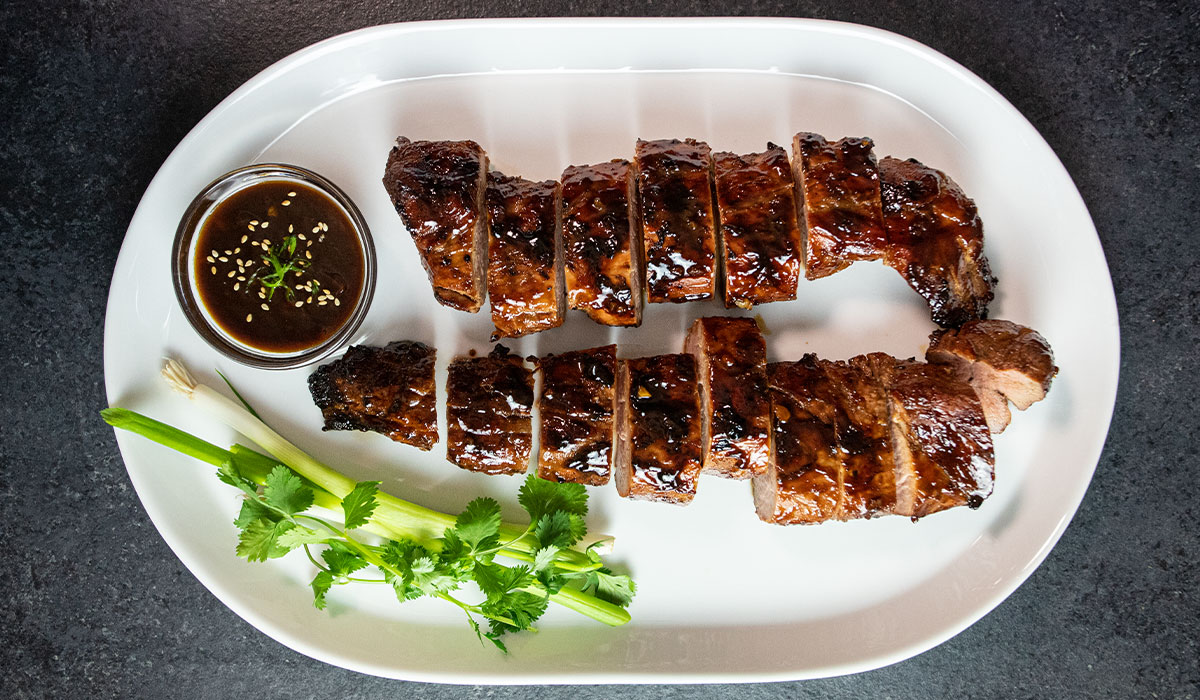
423 553
279 261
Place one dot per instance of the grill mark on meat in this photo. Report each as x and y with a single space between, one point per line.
576 425
523 284
488 406
731 357
676 208
757 220
388 390
437 189
935 241
601 242
839 200
659 455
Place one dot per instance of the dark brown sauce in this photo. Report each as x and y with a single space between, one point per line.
233 266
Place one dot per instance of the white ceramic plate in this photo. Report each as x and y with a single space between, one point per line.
722 597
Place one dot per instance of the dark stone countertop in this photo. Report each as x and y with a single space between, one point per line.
96 94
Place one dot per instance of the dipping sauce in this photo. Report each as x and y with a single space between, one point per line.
278 266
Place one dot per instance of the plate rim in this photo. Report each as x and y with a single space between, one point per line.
314 51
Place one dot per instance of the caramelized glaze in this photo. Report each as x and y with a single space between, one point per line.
523 284
731 358
388 390
840 200
488 405
576 409
804 483
601 243
437 188
935 241
678 235
757 216
660 456
863 432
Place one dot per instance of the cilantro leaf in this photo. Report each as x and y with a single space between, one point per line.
543 558
559 529
228 473
359 504
539 497
497 581
286 492
321 584
300 535
252 510
618 590
258 541
342 562
479 524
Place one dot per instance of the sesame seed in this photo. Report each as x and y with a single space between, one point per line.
299 304
237 286
290 229
337 302
241 278
266 224
250 226
321 239
223 259
244 238
231 273
238 250
324 226
264 307
228 252
214 253
210 258
322 303
308 300
254 223
249 317
308 254
291 194
301 237
286 202
214 269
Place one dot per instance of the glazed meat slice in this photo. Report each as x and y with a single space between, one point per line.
576 416
935 241
864 437
757 216
803 483
942 444
658 429
524 283
735 428
386 390
1002 361
488 405
601 242
437 188
678 235
839 200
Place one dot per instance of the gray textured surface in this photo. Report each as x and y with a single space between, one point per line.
94 95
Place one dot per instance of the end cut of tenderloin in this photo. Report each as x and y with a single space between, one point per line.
437 188
1003 361
935 241
388 390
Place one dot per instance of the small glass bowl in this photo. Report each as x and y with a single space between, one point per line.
184 253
